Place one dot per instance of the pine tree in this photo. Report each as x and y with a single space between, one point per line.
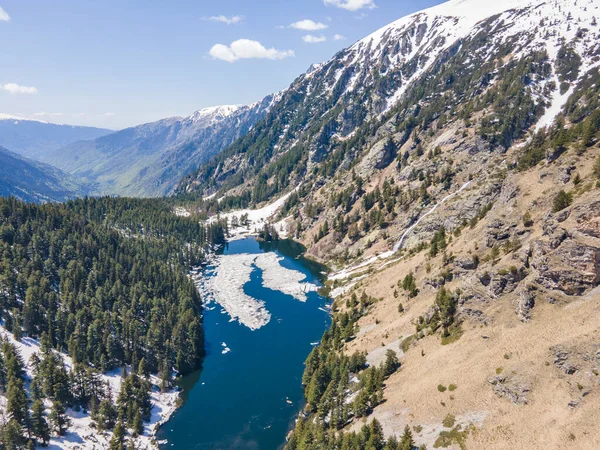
392 444
106 415
39 425
16 327
376 439
143 369
165 376
407 442
138 424
3 375
12 436
118 438
391 362
59 419
16 404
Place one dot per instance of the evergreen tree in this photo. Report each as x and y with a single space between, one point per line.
138 424
407 442
39 425
391 362
392 444
12 436
118 438
376 439
165 376
106 415
59 419
143 369
17 402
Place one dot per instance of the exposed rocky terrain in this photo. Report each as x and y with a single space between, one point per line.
524 358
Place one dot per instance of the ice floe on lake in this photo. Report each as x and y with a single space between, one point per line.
279 278
232 272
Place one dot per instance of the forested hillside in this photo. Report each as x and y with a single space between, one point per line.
32 181
104 281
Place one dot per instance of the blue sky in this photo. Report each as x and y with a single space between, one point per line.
117 63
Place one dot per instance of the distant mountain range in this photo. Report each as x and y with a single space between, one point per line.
148 160
37 139
33 181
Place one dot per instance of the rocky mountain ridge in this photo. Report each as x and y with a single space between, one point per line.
350 103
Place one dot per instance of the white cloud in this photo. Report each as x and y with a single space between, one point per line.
108 114
308 25
351 5
338 37
14 88
247 49
4 17
224 19
310 39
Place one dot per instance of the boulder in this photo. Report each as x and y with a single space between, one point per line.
525 303
513 387
572 268
498 231
588 219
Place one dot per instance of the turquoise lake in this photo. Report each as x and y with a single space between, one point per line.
249 398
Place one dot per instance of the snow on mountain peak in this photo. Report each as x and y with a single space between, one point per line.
215 114
19 119
424 35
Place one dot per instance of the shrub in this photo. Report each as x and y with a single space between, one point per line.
597 167
452 387
442 388
527 220
449 421
561 201
405 344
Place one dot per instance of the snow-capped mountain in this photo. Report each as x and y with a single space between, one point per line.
210 116
438 60
150 159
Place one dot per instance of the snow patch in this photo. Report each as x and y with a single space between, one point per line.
81 435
